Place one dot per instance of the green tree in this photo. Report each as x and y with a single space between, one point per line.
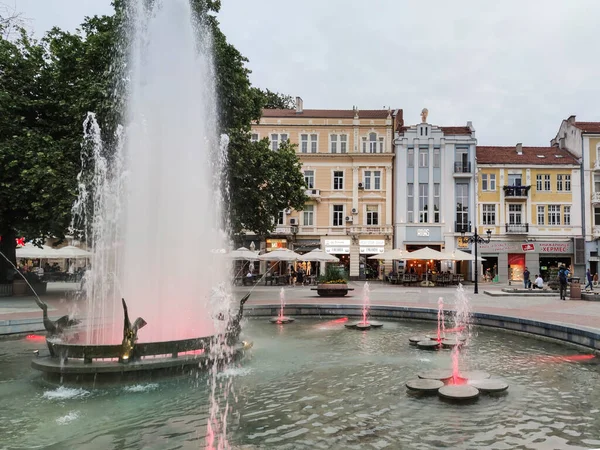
276 100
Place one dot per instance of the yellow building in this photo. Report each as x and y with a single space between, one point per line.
529 197
347 160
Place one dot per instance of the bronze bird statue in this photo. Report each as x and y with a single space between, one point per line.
233 327
130 334
56 327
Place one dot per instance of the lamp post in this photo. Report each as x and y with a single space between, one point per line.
476 240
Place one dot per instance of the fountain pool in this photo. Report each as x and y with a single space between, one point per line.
312 384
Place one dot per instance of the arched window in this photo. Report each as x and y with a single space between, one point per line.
372 142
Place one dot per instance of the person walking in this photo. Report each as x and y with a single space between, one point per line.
526 280
563 275
590 279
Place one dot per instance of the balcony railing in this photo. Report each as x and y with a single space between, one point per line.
371 230
462 167
462 227
595 197
516 191
517 228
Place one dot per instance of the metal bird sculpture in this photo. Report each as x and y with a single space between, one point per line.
57 327
233 327
130 334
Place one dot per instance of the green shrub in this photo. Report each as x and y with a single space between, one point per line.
334 275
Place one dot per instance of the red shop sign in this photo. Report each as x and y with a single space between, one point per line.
528 247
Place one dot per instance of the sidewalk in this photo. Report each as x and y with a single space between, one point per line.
21 314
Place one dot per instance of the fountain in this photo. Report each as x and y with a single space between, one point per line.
454 384
281 318
365 323
151 207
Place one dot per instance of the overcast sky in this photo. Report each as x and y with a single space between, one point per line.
515 68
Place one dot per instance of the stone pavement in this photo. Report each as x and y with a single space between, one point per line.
580 314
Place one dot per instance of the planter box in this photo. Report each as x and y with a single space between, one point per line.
332 290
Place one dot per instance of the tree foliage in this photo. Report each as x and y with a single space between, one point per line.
276 100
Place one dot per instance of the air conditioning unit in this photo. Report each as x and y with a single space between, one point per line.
293 221
288 211
360 186
348 218
314 191
354 211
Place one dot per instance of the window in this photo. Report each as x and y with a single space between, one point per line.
553 214
283 138
462 204
372 179
514 179
372 215
343 143
541 215
484 182
381 145
304 143
489 214
338 180
436 202
563 183
254 137
492 182
423 199
547 183
597 216
309 179
462 159
372 143
333 143
514 214
410 202
423 157
543 182
338 215
410 154
567 215
538 182
281 218
436 157
274 142
308 215
596 183
314 140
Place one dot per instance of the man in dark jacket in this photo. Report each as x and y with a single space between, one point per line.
526 280
563 277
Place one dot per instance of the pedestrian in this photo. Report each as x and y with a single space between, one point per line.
538 283
590 278
526 280
563 275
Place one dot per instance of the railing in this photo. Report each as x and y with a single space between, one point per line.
595 197
371 230
313 193
462 167
516 191
348 229
519 228
462 227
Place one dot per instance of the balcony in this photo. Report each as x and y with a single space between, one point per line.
462 168
516 192
596 197
517 228
462 227
371 230
313 194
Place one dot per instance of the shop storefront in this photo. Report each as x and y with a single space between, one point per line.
513 257
370 268
275 244
339 248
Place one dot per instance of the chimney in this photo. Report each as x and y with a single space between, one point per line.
519 148
299 105
571 120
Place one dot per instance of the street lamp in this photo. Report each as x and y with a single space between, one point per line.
476 240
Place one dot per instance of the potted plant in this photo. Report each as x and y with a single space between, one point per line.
334 283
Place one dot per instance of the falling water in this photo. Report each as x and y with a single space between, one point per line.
281 304
462 326
366 303
156 197
441 321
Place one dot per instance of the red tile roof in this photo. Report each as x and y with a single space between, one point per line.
588 127
530 156
328 113
446 130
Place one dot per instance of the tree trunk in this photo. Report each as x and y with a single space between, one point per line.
8 247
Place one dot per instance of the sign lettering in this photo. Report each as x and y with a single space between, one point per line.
337 242
371 250
528 247
338 250
423 232
372 242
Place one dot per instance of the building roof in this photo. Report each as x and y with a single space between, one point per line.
329 113
446 130
531 156
588 127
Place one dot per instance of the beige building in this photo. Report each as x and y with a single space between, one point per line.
347 160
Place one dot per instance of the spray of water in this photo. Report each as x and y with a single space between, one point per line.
441 321
281 304
462 325
366 303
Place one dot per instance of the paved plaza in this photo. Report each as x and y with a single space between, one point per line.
576 313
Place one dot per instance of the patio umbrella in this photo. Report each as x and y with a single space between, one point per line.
282 254
30 251
395 254
425 253
71 251
459 255
319 255
243 253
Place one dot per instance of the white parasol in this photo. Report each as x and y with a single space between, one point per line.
319 255
243 253
282 254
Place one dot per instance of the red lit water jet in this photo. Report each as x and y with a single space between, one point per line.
565 358
366 304
35 337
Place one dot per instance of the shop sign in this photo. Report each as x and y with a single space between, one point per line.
371 250
555 247
463 242
423 232
372 242
337 242
274 244
500 247
528 247
338 250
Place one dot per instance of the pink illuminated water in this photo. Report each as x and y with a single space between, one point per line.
281 303
366 303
